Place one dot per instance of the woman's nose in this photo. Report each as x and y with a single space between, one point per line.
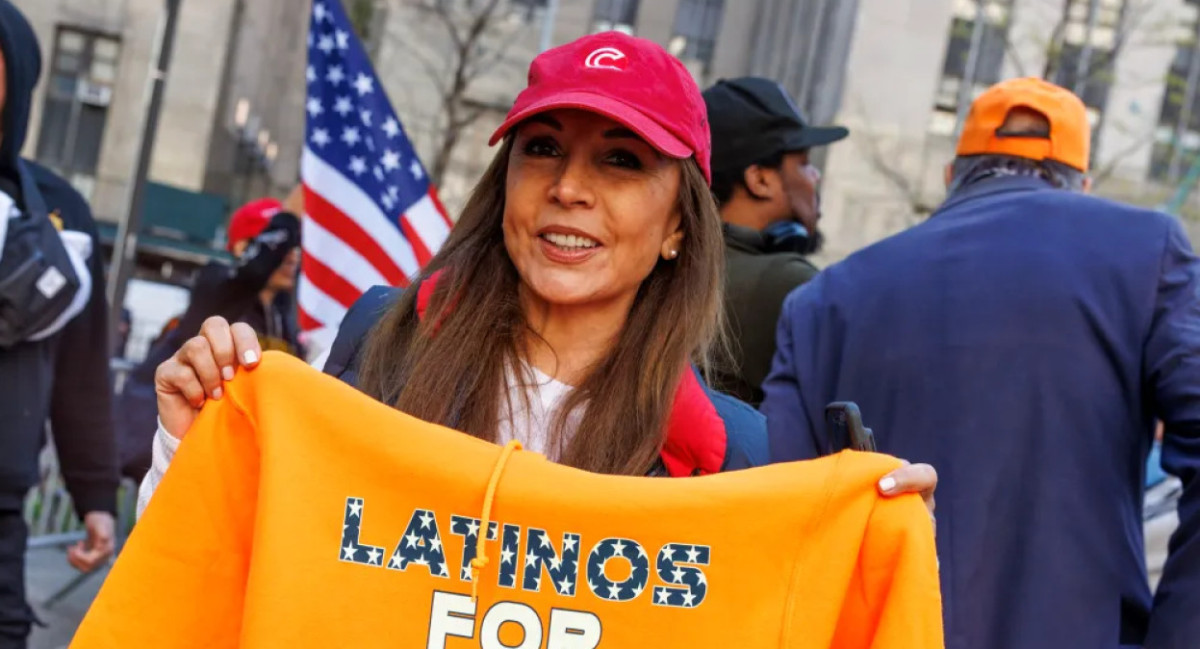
573 185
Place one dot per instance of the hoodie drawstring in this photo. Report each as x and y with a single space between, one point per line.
481 560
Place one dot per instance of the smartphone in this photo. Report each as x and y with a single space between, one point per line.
844 426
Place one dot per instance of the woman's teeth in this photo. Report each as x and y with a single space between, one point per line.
570 240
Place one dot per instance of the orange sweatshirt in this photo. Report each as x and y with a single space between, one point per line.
300 513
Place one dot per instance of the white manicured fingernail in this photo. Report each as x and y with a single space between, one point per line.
887 484
227 373
217 393
250 357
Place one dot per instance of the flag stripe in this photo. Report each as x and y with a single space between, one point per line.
427 222
335 254
307 322
423 254
319 306
437 202
349 199
332 220
330 282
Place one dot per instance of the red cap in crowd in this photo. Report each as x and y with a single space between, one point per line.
251 219
629 80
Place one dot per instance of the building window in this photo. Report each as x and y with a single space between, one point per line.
697 23
82 74
988 56
615 15
1177 139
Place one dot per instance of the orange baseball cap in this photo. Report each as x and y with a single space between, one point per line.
1070 133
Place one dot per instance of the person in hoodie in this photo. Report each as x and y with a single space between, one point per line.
257 290
53 341
1024 340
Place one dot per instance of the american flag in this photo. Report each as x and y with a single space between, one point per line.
371 215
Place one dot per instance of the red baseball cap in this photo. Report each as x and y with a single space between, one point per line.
629 80
251 219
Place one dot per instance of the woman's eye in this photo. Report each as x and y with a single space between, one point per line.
625 160
541 146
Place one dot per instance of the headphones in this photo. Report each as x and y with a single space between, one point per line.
786 236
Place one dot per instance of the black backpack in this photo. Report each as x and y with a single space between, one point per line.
38 279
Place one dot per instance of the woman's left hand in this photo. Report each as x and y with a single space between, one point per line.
918 479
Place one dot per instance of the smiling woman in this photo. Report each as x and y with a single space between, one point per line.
594 247
595 258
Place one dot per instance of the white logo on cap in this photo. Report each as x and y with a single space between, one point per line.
606 58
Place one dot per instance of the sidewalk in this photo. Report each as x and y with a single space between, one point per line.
46 572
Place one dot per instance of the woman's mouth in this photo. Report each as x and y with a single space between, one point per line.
568 248
570 241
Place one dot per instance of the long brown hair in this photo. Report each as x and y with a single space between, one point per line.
452 370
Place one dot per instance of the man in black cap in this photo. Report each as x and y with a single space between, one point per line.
767 190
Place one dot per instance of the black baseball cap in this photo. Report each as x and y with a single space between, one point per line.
752 118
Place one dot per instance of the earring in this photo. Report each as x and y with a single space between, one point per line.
673 254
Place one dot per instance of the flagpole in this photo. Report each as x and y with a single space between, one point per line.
125 245
547 40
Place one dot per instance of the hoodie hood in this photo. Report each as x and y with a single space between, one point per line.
23 65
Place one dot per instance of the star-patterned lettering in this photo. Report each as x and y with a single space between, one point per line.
351 550
613 548
421 545
510 550
677 566
468 528
562 567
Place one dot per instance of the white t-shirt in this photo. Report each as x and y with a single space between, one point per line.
535 400
530 423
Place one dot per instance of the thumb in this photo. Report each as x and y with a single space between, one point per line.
175 413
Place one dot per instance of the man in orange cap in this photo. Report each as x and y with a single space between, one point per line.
264 238
1023 340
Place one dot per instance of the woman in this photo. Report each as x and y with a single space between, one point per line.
580 283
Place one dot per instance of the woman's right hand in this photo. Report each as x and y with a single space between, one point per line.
199 369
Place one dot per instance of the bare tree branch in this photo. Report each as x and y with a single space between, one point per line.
469 118
436 75
1129 23
910 189
441 10
1010 52
470 57
498 56
1054 45
1105 172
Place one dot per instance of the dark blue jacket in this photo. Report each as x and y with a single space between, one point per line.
1023 341
743 429
64 378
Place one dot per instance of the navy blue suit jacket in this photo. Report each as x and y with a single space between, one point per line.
1023 340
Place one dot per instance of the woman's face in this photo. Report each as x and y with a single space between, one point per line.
590 208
